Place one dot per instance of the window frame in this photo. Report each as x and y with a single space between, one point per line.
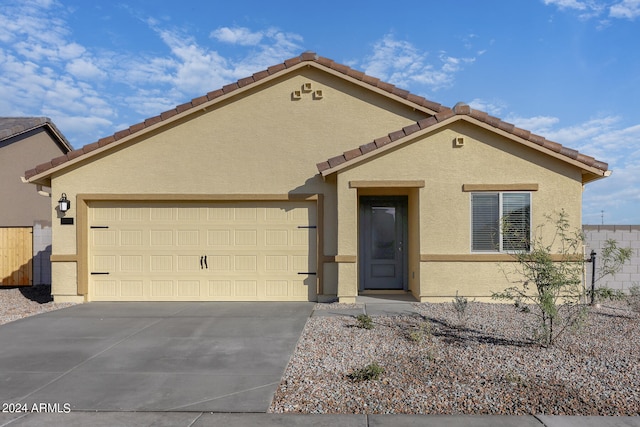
500 248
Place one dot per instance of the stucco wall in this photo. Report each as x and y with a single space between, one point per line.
21 203
264 142
626 236
445 209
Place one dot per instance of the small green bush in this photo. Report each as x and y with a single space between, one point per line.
422 333
370 372
364 321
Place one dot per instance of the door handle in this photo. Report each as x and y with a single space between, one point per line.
205 262
201 263
400 246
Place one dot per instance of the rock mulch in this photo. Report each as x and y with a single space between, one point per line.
486 363
19 302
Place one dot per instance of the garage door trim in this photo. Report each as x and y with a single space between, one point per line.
82 222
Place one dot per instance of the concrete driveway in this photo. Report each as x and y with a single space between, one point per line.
174 356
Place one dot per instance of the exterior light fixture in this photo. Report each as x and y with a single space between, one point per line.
64 204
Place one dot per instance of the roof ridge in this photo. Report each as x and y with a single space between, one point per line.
307 56
461 109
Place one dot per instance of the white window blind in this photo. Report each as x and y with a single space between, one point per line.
500 221
485 221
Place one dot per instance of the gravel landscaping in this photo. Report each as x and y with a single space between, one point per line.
435 364
19 302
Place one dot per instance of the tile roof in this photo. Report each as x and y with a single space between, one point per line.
256 77
460 110
13 126
440 113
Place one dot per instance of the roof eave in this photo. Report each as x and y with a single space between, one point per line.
589 174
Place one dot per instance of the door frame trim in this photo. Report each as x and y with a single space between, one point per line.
361 259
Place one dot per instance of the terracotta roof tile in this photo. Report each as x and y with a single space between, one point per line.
569 152
429 121
522 133
184 107
75 154
124 133
337 160
394 136
352 154
373 81
152 121
508 127
105 141
213 95
386 86
260 75
276 68
94 146
323 166
366 148
537 139
379 142
308 56
230 87
137 127
358 75
59 160
246 81
408 130
292 61
168 114
442 113
339 67
43 167
553 146
463 110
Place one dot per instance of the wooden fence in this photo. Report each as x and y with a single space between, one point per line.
16 253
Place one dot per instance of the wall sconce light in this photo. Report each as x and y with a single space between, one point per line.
64 204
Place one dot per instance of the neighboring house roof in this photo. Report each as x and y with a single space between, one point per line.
14 126
437 112
594 168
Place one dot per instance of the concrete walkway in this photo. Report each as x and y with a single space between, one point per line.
199 419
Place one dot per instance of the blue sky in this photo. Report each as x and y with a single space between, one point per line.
566 69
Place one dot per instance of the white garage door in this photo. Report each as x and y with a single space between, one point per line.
236 251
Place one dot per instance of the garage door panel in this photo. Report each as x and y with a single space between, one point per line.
203 251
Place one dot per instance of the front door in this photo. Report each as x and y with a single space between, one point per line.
383 231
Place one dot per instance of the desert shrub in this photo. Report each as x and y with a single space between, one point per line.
370 372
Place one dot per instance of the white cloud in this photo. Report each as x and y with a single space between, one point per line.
494 107
628 9
237 35
85 69
567 4
620 9
43 71
402 64
607 140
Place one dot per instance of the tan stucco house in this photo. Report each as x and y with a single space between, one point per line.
25 216
306 181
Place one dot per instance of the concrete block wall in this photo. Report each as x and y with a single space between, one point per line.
626 236
42 253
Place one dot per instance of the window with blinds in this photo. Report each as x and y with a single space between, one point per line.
500 222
